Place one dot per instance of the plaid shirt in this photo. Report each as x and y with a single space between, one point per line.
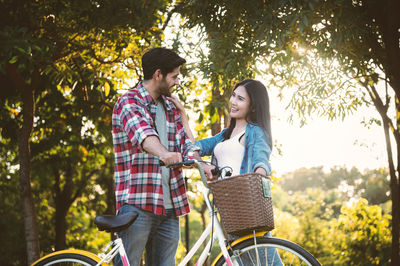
137 173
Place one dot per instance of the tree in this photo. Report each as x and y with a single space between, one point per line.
363 234
59 41
359 40
68 153
228 57
326 50
303 178
11 225
356 234
372 185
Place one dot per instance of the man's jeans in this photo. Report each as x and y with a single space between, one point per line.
159 234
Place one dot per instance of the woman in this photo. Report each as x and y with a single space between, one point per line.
246 144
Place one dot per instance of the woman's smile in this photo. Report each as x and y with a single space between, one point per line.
240 103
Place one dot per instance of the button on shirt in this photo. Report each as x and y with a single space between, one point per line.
137 173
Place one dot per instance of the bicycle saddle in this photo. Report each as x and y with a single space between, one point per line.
115 223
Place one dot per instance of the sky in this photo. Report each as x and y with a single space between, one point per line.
325 143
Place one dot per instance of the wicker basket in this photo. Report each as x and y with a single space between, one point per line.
244 203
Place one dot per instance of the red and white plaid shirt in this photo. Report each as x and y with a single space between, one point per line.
137 173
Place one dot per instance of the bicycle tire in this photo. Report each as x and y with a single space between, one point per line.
67 259
289 253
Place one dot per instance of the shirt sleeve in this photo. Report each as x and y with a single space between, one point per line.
136 122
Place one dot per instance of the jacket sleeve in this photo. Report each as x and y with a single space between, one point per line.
207 145
261 151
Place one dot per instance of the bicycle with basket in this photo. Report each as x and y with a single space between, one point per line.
244 205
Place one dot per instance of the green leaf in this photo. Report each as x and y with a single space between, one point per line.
21 50
13 60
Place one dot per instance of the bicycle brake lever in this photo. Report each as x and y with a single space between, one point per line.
216 171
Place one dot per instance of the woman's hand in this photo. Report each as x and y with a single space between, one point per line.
207 171
184 117
261 170
178 104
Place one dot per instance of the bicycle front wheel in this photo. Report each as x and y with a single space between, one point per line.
269 251
67 259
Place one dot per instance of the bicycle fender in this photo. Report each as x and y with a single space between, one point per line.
237 241
71 250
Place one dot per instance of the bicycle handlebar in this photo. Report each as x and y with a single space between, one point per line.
188 163
183 163
217 171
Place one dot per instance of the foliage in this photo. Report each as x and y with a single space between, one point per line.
309 219
332 54
364 235
372 185
72 57
232 45
11 225
75 55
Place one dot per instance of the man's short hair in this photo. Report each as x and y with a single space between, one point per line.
160 58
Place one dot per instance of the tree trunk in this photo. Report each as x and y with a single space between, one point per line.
30 221
110 191
395 195
63 200
61 227
394 192
382 109
395 188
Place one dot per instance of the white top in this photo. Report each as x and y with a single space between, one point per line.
230 153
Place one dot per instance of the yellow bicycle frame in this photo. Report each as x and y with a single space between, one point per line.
74 251
243 238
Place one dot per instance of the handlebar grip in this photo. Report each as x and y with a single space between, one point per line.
187 162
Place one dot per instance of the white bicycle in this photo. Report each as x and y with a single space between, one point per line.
253 249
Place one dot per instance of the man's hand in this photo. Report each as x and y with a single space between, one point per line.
207 171
171 157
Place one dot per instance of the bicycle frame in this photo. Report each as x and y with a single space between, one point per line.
217 235
213 229
118 247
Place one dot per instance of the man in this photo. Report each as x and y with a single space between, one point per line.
147 129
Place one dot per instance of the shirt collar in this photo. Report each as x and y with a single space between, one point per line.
147 99
168 104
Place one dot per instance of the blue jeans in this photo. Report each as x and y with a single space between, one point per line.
158 234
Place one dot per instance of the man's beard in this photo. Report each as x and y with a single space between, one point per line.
164 89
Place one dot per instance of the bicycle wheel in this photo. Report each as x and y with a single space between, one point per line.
67 259
270 251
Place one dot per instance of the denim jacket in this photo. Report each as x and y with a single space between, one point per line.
256 149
